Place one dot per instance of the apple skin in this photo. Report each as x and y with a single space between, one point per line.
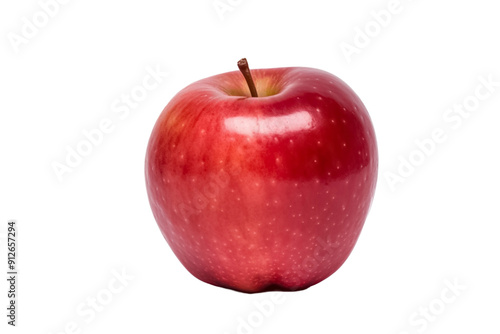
263 193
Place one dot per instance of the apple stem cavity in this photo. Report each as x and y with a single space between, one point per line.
245 70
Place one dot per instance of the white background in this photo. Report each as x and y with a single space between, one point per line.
441 225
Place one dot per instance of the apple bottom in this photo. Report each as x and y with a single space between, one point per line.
288 236
276 279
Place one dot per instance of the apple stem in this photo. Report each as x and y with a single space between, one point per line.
245 70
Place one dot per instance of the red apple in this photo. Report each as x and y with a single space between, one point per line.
267 191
